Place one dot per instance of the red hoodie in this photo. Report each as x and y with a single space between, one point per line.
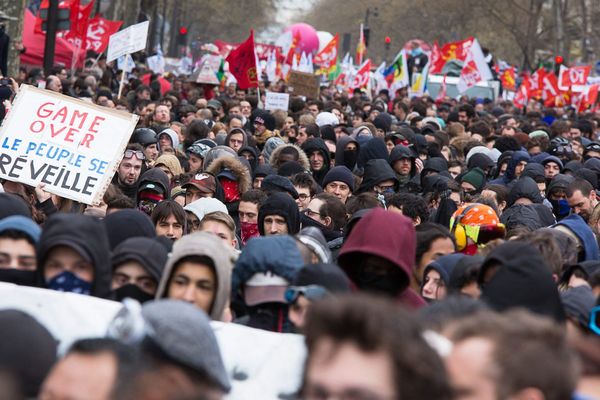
388 235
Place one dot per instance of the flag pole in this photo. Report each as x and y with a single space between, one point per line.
122 82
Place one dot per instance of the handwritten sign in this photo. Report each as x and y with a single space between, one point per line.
277 101
304 84
127 41
71 146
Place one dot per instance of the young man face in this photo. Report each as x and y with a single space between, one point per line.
221 230
248 212
304 197
133 273
17 254
339 190
275 225
194 283
129 170
169 227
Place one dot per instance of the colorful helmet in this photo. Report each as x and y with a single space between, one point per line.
477 222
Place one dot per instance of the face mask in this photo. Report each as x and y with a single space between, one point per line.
377 284
248 231
350 157
18 277
133 292
416 52
68 282
560 208
146 206
231 190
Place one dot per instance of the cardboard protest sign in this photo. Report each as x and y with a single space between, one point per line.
304 84
277 101
127 41
71 146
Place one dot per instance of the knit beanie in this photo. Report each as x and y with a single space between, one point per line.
475 177
340 173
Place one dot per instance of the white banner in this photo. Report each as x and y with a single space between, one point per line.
277 101
127 41
73 147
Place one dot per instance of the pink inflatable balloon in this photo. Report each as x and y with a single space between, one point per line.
309 41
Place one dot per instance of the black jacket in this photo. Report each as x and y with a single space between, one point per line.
318 144
377 171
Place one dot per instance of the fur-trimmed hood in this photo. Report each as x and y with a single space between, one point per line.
302 158
239 171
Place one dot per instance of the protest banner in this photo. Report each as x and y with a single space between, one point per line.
127 41
304 84
71 146
277 101
271 362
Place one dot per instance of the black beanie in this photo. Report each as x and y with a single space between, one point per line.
290 168
340 173
267 119
281 204
383 121
125 224
11 204
148 252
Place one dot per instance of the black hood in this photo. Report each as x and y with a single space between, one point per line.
82 233
157 176
524 187
147 251
345 158
318 144
559 181
535 171
281 204
399 152
254 151
374 149
377 171
522 279
531 216
125 224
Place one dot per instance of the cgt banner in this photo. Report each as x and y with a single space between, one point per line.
71 146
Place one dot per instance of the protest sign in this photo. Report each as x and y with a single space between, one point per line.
71 146
277 101
304 84
271 362
127 41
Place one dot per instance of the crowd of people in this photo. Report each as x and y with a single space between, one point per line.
425 249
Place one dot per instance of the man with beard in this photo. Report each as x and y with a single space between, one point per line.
130 169
582 198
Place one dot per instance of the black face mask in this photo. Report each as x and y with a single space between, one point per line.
18 277
378 284
350 157
132 291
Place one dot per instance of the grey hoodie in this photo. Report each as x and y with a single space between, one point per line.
211 246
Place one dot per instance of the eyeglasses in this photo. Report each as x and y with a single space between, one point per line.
303 196
311 213
311 292
137 153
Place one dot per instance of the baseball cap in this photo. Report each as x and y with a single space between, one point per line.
265 287
203 182
151 186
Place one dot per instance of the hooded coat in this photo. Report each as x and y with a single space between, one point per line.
532 216
254 151
125 224
302 158
383 233
171 162
232 167
318 144
173 135
157 176
585 234
211 246
85 235
373 149
399 152
281 204
377 171
147 251
343 157
509 175
525 187
444 266
522 279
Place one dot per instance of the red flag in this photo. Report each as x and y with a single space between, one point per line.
573 76
550 90
361 79
289 58
588 97
450 51
80 17
508 79
327 58
523 93
98 33
242 63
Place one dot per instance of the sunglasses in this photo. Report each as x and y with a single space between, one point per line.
311 292
137 153
593 325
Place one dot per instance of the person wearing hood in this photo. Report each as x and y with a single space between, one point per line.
378 178
318 154
536 172
313 283
168 139
556 193
199 272
171 166
372 149
260 172
436 277
264 127
514 168
154 187
370 261
236 139
260 278
250 153
286 153
137 266
552 167
482 161
278 215
524 191
270 145
403 162
234 178
346 152
196 153
131 166
19 236
513 275
124 224
73 255
575 226
196 210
